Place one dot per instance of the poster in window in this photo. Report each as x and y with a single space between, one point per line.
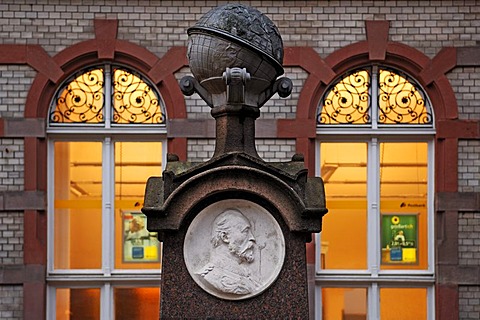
139 245
399 234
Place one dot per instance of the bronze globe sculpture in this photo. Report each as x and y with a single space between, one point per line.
227 40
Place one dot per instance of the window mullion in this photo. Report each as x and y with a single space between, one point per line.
374 97
373 225
107 205
108 96
373 301
106 305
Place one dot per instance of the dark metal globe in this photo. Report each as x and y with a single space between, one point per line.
235 35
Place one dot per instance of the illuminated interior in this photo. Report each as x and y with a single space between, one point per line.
136 303
403 190
344 231
406 303
79 303
78 201
344 303
78 205
135 162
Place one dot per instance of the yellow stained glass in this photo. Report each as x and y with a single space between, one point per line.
82 100
134 100
348 101
396 99
400 101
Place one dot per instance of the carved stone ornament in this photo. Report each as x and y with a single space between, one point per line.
234 249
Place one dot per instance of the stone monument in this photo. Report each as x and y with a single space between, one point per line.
234 227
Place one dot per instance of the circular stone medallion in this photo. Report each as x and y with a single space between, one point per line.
234 249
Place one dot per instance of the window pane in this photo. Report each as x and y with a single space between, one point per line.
403 205
78 304
134 101
344 303
410 303
348 102
135 162
137 303
81 100
78 213
401 101
344 231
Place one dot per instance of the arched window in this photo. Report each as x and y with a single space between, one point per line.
107 95
106 130
375 134
375 96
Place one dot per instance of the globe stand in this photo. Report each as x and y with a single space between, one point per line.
235 117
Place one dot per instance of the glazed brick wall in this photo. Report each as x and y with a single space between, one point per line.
275 149
11 302
11 165
466 85
199 150
469 165
469 306
15 81
323 25
11 238
469 239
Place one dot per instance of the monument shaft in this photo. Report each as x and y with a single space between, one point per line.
234 227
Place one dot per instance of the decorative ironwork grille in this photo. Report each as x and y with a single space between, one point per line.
399 100
348 101
133 100
81 100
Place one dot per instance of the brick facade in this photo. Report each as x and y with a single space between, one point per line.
37 36
469 239
469 165
11 302
469 307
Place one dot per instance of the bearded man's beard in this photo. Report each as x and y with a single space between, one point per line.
245 253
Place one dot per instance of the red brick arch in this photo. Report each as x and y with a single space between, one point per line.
105 47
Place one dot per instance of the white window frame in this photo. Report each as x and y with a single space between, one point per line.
373 279
107 278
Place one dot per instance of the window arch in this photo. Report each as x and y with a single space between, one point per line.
375 96
107 95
